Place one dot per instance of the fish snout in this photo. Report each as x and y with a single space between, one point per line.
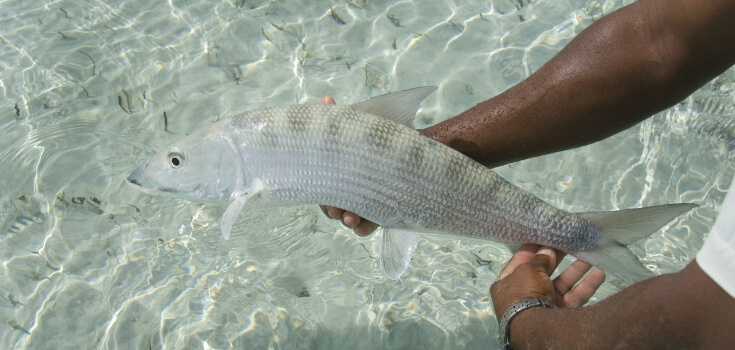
138 178
134 176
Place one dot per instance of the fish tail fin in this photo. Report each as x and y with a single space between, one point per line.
622 228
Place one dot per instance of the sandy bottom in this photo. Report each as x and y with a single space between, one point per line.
90 90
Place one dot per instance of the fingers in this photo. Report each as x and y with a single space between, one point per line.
522 256
532 259
582 293
365 228
350 219
353 220
567 279
328 100
544 261
527 253
332 212
526 276
575 297
361 226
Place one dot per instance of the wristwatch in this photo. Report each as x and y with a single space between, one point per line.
512 312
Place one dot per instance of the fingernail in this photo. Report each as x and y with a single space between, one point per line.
545 251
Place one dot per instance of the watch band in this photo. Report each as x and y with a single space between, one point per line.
512 312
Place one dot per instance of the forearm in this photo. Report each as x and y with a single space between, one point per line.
682 310
623 68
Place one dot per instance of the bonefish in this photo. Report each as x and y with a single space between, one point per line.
367 158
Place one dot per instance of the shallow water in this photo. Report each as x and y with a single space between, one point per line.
90 89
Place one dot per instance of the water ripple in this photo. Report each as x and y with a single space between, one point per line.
90 89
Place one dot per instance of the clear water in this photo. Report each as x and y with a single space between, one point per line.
89 89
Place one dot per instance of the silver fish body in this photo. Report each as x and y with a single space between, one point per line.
366 159
393 176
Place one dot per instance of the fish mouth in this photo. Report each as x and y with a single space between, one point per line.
133 181
136 185
132 178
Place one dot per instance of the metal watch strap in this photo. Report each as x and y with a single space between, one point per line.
512 312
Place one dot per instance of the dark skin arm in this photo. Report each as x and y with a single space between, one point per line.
628 65
681 310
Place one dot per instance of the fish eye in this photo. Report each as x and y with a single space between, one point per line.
175 159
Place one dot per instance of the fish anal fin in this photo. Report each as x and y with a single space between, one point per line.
396 248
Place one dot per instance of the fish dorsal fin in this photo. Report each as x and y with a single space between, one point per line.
399 106
228 218
396 248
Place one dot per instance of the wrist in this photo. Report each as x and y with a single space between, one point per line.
522 327
522 307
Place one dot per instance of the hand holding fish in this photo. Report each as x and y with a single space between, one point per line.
528 273
527 277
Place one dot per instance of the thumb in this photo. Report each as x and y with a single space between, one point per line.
544 260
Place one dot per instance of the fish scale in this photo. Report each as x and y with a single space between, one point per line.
365 159
389 185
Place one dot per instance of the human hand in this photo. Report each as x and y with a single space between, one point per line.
527 275
361 226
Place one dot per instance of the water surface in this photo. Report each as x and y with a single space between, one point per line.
88 89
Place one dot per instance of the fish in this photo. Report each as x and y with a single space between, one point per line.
368 158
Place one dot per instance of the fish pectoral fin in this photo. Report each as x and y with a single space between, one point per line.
228 218
396 248
399 106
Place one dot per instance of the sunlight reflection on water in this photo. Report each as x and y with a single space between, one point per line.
91 89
